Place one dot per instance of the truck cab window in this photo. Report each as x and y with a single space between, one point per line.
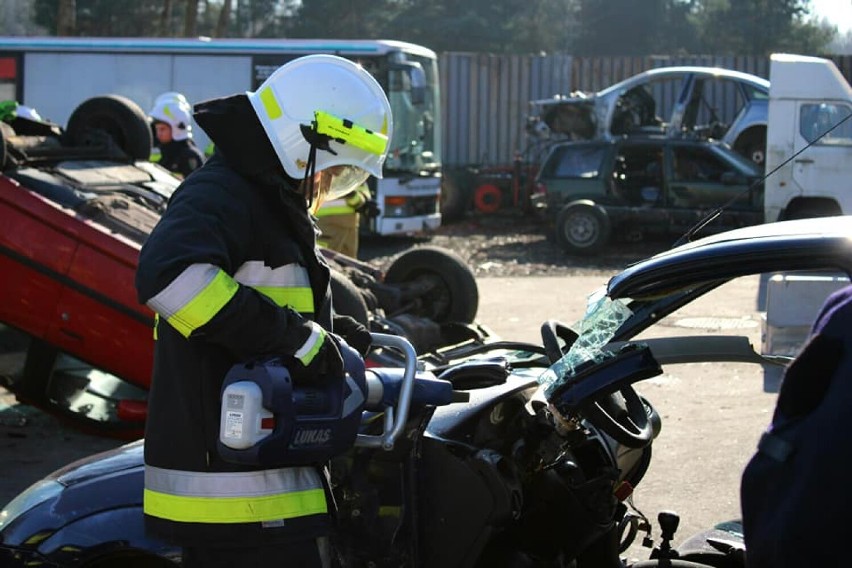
818 120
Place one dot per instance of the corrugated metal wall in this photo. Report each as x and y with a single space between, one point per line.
486 97
485 101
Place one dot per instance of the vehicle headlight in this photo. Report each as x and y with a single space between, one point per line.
35 494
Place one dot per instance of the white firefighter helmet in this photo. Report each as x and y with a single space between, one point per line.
176 113
171 96
333 106
28 112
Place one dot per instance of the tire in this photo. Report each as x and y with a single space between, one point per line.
487 198
454 295
119 117
347 299
582 229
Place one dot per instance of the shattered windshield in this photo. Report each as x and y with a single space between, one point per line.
603 318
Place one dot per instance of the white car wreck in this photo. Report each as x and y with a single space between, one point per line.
705 102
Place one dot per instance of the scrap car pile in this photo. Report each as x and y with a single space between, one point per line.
651 154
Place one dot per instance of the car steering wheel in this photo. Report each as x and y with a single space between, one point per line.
622 414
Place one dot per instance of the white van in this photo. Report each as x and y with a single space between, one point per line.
810 103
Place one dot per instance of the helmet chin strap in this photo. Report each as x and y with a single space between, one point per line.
310 174
316 141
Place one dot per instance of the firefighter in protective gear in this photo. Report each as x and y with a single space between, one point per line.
233 273
174 148
339 220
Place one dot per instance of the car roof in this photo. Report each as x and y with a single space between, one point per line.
658 72
639 139
804 244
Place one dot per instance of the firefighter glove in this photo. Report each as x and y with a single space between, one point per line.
319 356
353 332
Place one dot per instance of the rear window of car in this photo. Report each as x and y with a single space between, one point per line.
575 162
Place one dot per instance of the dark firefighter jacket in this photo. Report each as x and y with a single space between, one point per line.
234 248
180 156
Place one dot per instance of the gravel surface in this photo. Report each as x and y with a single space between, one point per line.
510 244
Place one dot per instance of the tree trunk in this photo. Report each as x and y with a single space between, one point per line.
191 18
224 17
165 19
66 18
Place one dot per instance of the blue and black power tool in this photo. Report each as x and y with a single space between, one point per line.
270 420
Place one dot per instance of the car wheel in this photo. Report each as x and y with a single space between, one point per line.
582 229
439 284
118 117
347 299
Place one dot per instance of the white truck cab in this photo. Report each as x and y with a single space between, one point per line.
809 100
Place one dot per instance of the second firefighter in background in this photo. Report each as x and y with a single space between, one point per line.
339 220
174 149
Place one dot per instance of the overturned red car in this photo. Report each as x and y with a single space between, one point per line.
77 203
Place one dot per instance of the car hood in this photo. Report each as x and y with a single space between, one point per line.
128 456
572 115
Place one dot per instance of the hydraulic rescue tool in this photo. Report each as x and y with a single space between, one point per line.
269 418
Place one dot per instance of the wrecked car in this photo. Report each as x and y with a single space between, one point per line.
89 514
686 101
77 203
592 193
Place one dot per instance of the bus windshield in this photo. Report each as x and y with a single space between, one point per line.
414 98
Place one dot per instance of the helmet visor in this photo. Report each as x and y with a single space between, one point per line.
337 181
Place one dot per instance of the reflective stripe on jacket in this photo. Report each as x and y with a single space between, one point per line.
230 268
200 291
234 497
